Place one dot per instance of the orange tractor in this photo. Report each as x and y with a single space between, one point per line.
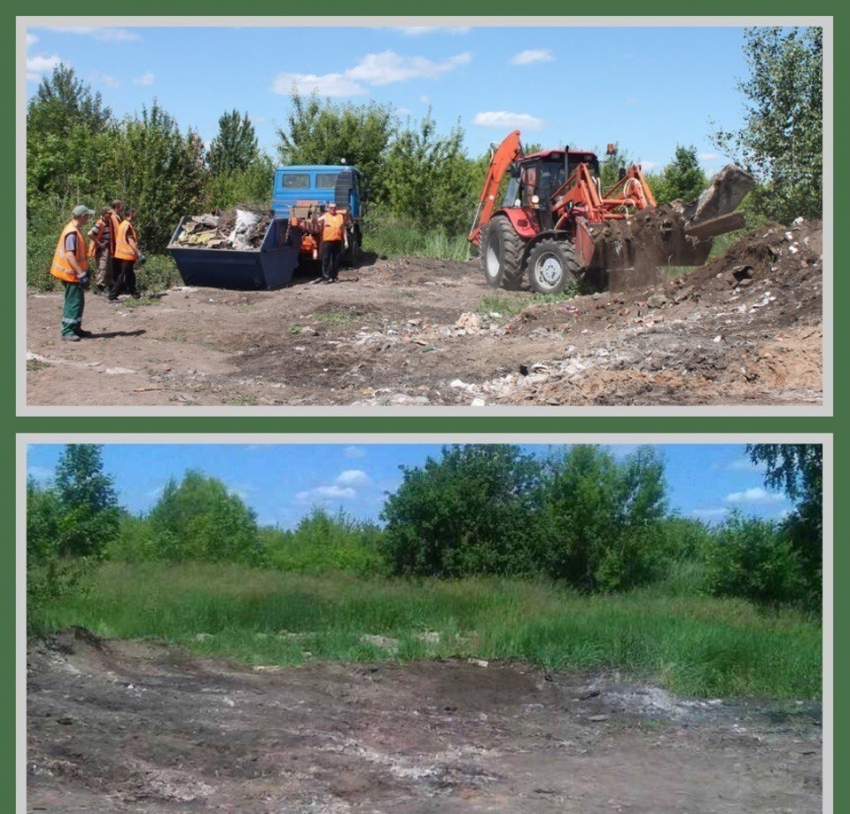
556 223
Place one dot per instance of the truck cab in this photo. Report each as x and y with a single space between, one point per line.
302 190
318 184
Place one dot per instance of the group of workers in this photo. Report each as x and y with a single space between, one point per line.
113 247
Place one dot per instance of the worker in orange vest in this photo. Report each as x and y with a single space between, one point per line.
334 241
70 265
101 249
126 254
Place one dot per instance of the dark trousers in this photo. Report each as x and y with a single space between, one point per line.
125 277
331 257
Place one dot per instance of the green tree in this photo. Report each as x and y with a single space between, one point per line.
603 528
797 469
428 179
682 179
252 185
781 141
235 146
469 512
66 127
160 172
199 518
753 559
326 132
89 511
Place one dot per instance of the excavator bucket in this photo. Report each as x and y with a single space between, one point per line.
634 252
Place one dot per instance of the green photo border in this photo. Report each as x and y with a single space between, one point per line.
780 11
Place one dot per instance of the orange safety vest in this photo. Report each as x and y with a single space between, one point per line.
94 246
332 229
113 232
61 268
123 249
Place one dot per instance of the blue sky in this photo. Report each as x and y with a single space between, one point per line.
646 88
282 482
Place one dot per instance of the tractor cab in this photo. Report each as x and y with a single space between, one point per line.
535 178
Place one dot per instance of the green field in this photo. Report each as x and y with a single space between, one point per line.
690 645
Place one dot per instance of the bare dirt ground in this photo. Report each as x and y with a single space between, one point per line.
745 329
135 727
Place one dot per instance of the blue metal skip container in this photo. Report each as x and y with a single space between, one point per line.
270 266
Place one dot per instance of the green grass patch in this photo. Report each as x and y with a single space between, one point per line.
36 364
510 306
697 646
396 238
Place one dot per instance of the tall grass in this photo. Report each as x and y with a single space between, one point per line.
692 645
398 238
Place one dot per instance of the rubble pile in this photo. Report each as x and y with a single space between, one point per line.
241 228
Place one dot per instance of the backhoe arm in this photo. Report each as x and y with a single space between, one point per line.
508 151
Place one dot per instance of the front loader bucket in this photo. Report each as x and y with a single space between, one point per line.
633 253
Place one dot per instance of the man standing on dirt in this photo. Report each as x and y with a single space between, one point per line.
101 249
334 242
70 265
126 254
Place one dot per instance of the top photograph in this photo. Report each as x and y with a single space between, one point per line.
385 217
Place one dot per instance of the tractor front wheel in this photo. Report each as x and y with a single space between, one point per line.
500 254
552 266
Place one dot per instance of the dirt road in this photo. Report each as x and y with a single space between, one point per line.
743 330
132 727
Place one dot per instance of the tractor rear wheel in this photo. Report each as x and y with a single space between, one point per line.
500 254
552 266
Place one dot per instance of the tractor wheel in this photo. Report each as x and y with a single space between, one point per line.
500 254
552 266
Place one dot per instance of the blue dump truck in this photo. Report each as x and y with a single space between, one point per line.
299 194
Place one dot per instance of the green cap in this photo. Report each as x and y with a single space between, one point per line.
82 210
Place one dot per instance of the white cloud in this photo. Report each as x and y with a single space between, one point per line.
648 165
742 465
426 100
708 156
354 452
389 67
331 84
420 30
506 121
753 495
324 493
709 514
632 100
376 70
258 119
145 79
403 111
103 34
529 57
353 477
31 39
106 79
38 65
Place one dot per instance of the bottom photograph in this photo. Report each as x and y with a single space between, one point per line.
402 627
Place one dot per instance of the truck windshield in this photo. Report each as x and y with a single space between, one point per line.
326 180
296 180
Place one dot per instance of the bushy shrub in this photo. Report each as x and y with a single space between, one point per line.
324 542
603 527
752 558
200 519
468 513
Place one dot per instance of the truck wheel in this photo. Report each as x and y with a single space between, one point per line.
552 266
500 254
